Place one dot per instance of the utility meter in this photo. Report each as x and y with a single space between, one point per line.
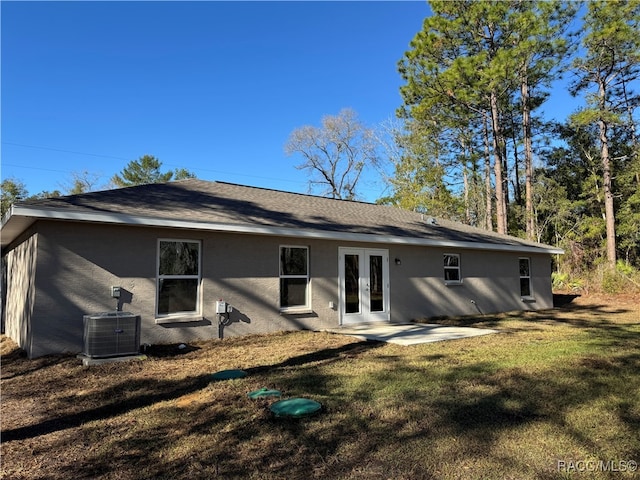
221 306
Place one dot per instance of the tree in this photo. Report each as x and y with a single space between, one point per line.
12 191
140 172
81 182
182 174
611 60
450 76
418 183
442 98
45 194
335 154
465 69
537 54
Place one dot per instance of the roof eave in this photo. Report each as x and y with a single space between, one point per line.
13 225
23 216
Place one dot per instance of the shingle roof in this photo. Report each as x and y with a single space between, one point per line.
196 203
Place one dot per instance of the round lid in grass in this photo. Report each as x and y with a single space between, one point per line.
263 393
295 407
229 374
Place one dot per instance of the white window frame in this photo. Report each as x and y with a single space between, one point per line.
184 315
297 308
456 268
528 277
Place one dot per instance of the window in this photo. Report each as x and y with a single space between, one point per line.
178 286
452 268
525 278
294 278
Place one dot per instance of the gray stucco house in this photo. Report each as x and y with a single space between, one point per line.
282 261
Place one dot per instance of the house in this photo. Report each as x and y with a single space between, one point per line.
282 261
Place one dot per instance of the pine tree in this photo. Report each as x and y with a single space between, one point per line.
140 172
611 60
467 65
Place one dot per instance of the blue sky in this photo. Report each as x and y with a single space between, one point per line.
213 87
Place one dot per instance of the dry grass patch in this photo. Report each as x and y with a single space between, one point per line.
561 385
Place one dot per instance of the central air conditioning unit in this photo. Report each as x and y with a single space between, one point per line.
111 334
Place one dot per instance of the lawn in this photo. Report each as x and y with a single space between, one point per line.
555 394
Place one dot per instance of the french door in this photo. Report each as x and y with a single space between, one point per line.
364 285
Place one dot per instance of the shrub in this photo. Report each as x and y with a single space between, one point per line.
626 269
559 280
623 279
565 281
612 282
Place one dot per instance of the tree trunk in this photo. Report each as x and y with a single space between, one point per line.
467 208
498 147
487 177
528 160
517 188
609 212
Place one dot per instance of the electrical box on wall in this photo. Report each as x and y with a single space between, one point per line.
115 292
221 306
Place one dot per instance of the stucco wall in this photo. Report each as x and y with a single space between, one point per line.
77 263
243 270
490 283
77 266
20 294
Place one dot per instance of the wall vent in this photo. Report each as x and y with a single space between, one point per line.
111 334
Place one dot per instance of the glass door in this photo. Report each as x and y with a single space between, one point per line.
352 294
364 285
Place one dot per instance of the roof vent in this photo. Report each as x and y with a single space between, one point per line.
431 221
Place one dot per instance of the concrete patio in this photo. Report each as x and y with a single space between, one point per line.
409 334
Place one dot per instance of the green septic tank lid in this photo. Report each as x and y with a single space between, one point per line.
229 374
263 393
295 407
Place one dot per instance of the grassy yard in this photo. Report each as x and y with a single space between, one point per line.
550 396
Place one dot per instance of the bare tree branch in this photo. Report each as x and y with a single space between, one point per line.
335 154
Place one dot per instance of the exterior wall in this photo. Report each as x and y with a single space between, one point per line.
77 263
491 279
19 294
244 271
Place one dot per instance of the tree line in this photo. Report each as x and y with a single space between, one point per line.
475 77
144 170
